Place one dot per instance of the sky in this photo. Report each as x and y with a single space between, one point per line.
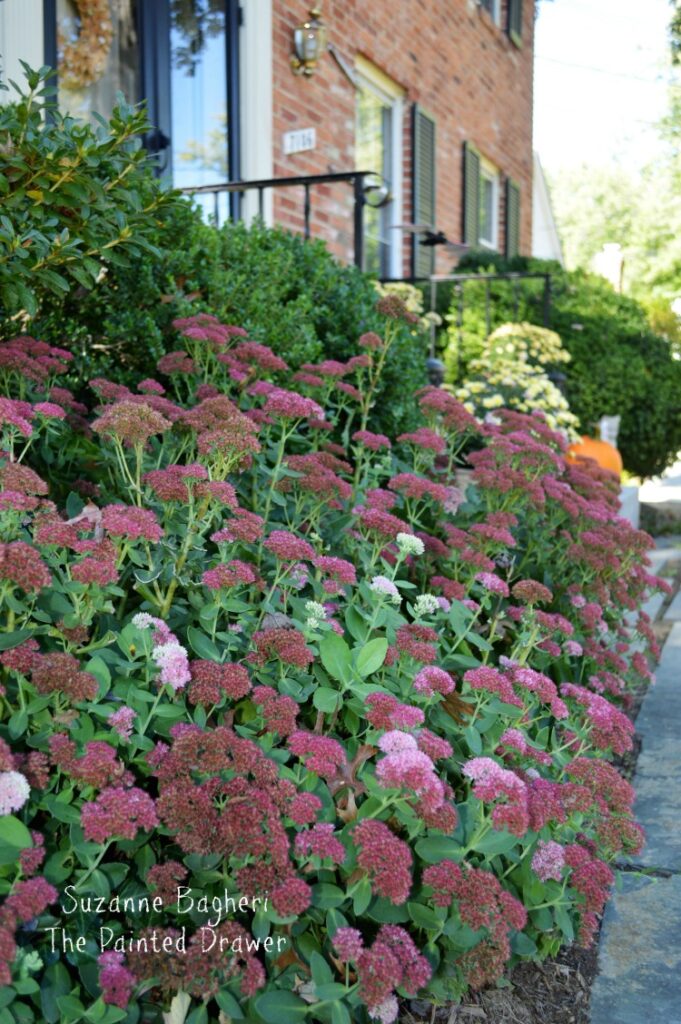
601 68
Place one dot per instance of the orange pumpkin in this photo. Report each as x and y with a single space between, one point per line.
602 452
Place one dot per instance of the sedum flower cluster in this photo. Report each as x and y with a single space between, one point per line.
254 652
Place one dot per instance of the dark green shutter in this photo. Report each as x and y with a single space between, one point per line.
423 189
515 20
471 195
512 218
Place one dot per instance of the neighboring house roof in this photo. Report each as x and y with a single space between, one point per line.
545 238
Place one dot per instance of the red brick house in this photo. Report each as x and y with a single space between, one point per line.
434 97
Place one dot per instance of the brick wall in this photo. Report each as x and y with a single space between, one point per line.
451 59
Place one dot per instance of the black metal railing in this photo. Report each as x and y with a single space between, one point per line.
236 190
457 301
362 189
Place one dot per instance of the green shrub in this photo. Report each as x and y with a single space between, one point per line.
76 201
288 293
619 366
294 296
98 257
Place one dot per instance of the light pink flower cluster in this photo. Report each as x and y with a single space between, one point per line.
493 583
611 729
14 791
383 585
548 860
168 653
491 783
405 766
122 721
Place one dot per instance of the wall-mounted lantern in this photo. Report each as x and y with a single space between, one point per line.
309 43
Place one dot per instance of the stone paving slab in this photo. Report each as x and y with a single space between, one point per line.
653 606
660 712
640 945
674 610
640 955
658 808
658 771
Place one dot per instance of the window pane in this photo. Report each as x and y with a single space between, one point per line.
89 80
198 90
486 209
373 142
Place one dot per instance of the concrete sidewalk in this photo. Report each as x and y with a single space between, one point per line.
640 945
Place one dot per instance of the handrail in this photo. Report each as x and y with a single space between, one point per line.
355 178
458 280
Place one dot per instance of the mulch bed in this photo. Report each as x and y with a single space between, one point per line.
554 992
557 991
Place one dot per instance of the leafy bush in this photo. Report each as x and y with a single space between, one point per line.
619 366
243 663
75 200
98 257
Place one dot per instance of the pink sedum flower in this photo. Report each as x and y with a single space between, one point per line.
431 679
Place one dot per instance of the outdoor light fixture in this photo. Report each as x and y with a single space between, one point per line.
309 43
376 191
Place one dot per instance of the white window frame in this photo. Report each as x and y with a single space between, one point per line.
489 173
368 76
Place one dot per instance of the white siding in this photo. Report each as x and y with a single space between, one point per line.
545 238
256 102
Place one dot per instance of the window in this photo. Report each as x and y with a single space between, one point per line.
89 86
181 57
488 224
493 7
514 25
378 148
480 200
